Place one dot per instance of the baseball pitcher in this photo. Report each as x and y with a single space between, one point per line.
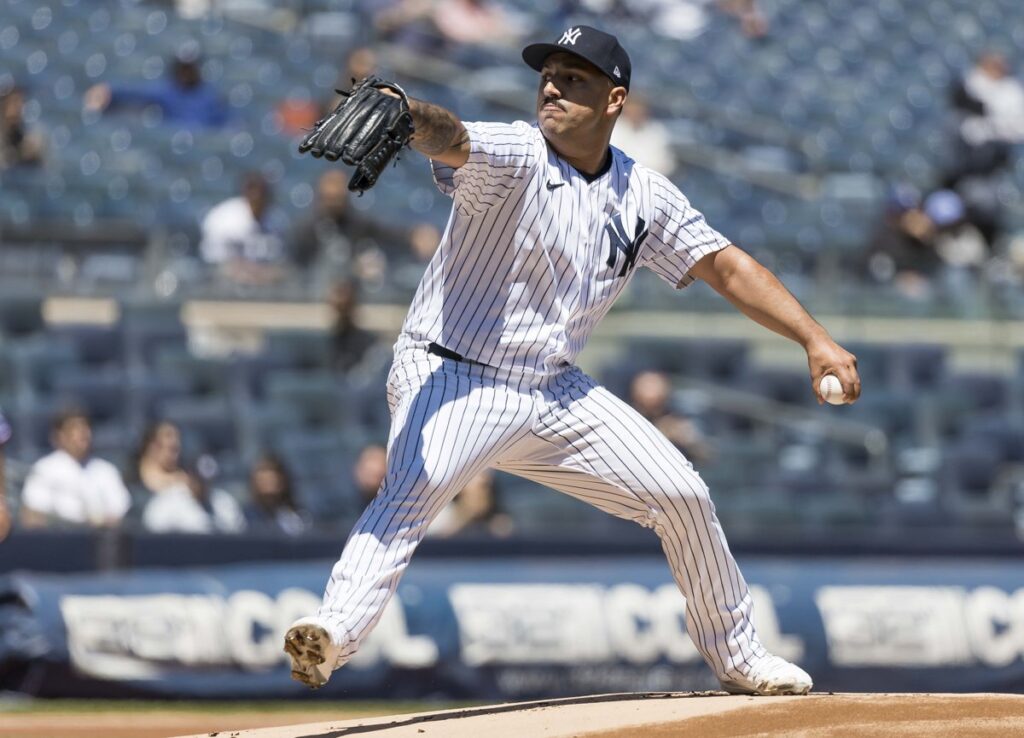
549 224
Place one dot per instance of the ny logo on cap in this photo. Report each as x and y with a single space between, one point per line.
570 36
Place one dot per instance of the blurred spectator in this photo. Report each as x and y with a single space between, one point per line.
901 250
921 240
158 462
360 64
474 510
409 24
990 105
335 232
628 11
350 344
183 97
18 145
242 236
645 140
423 242
271 506
5 510
992 102
70 486
651 393
752 21
473 22
368 472
957 241
193 507
297 113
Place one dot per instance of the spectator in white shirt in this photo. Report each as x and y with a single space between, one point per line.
193 507
70 486
242 236
647 141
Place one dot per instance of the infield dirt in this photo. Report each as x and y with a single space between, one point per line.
707 715
658 715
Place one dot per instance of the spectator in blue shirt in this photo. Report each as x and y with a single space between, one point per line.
184 97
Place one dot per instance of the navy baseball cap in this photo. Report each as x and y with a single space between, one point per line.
597 47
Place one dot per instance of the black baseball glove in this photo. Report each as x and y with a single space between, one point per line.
366 130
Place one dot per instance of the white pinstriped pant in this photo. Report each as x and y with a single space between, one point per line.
451 420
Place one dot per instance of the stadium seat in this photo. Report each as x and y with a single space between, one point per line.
970 486
95 345
37 361
204 376
20 316
206 424
144 342
717 360
100 393
317 397
781 385
917 365
1000 432
306 350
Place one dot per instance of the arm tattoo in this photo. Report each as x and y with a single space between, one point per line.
437 129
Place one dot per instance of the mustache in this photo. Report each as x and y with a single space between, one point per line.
553 101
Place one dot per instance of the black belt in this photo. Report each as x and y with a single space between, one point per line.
438 350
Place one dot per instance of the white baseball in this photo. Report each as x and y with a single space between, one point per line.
831 390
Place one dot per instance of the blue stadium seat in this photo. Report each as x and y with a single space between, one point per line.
1000 432
892 410
918 365
95 345
207 424
307 350
781 385
37 361
150 329
204 376
713 359
101 394
21 315
318 397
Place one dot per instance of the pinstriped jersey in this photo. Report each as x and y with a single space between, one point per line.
534 254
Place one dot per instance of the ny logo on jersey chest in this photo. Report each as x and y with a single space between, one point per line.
620 240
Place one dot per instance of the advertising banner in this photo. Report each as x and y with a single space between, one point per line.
511 629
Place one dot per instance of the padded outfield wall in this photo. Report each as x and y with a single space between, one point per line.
511 628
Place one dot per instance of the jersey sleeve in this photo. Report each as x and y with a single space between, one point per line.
679 235
500 157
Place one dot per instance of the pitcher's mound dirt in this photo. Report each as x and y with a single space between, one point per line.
709 715
864 715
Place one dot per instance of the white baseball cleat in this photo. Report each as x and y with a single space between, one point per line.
771 676
312 652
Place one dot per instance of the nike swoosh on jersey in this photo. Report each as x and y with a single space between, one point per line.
553 185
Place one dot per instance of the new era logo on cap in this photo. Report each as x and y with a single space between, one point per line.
570 36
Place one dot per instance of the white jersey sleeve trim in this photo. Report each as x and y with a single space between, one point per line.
500 156
679 236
